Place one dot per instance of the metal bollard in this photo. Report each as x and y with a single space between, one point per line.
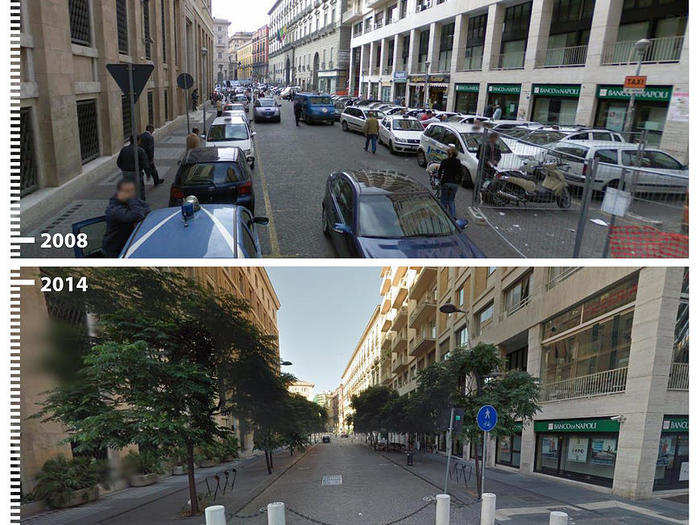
488 508
275 513
557 517
215 515
442 509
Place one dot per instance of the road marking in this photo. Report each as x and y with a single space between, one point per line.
596 505
274 243
334 479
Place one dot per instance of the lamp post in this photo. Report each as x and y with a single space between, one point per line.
427 77
204 87
640 47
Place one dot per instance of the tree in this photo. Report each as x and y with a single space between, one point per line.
170 357
369 407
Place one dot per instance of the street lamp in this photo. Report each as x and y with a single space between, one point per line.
449 308
427 76
285 363
640 47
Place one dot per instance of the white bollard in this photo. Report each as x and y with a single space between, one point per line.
442 509
488 508
215 515
557 517
275 513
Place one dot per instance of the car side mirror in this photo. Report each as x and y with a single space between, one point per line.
253 133
461 223
262 221
341 229
203 137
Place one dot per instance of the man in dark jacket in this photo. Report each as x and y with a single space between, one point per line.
148 143
492 154
450 174
297 111
126 161
122 214
195 98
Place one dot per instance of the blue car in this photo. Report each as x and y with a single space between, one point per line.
377 214
316 108
200 231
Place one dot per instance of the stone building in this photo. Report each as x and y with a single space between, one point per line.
260 53
235 41
244 54
221 50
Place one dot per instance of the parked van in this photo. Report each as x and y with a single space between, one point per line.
316 108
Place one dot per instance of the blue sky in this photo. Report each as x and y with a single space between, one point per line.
322 314
244 15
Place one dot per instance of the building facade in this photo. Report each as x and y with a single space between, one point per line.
221 50
303 388
73 116
552 61
609 345
260 53
244 56
235 41
309 44
40 440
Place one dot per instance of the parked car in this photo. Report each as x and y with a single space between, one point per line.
460 118
354 117
212 231
266 109
400 134
387 215
242 99
658 171
227 132
214 175
502 125
316 108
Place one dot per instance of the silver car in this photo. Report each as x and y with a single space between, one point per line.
266 109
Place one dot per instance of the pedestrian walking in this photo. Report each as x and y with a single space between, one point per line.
371 130
219 107
491 152
297 111
488 112
193 140
497 112
123 212
126 161
450 173
147 142
195 98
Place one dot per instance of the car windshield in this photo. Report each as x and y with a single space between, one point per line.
650 159
405 124
236 107
374 113
266 102
516 133
214 172
472 140
543 137
224 132
402 215
321 101
454 118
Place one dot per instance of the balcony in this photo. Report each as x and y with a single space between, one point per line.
373 4
425 278
513 60
398 364
386 285
386 305
601 383
387 342
678 377
399 321
398 274
424 308
386 325
424 341
666 49
351 15
565 57
512 309
398 345
401 294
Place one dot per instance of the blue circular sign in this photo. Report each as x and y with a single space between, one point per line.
487 418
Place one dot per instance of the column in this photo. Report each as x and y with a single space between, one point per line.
412 51
675 135
351 69
538 36
433 51
492 38
397 54
382 56
372 57
534 356
362 70
604 25
651 353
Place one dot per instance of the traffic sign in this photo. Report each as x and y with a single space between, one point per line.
487 418
634 84
141 74
185 81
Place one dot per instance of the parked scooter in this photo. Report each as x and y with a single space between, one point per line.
535 182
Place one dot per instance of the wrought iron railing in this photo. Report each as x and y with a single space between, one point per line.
665 49
512 60
608 382
678 378
565 56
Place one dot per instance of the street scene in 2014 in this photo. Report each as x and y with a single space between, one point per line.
265 141
419 395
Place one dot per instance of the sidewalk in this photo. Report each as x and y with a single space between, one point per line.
524 499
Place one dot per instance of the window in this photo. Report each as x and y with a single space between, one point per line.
163 30
80 31
87 130
248 242
517 360
517 295
122 27
445 56
28 173
147 27
650 159
606 155
462 337
126 118
149 102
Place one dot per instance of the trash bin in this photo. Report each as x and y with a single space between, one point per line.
409 458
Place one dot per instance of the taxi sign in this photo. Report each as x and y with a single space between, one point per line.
634 85
486 418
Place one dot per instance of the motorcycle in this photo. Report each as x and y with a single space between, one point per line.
537 182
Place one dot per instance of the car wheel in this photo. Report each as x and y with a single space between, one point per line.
344 125
324 221
422 161
564 200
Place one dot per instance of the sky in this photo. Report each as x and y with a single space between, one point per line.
322 314
244 15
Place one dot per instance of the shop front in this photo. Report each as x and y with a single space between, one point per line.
437 91
400 87
505 96
672 462
555 104
466 98
650 111
579 449
386 91
509 447
374 90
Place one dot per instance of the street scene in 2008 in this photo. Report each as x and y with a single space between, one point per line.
422 128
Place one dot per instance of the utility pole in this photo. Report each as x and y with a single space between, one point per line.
449 449
640 47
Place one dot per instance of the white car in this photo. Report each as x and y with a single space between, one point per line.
228 132
400 134
465 119
437 138
354 117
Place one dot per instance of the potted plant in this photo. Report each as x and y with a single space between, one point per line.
142 468
69 482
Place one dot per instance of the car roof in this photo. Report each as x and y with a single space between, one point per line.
383 182
595 143
212 154
457 127
232 119
401 117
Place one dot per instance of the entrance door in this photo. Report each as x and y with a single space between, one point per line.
314 79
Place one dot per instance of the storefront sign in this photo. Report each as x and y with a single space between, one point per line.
652 93
675 424
437 79
504 89
399 76
578 425
467 88
554 90
577 451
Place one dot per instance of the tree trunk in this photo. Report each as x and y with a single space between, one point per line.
267 462
272 465
477 466
194 502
